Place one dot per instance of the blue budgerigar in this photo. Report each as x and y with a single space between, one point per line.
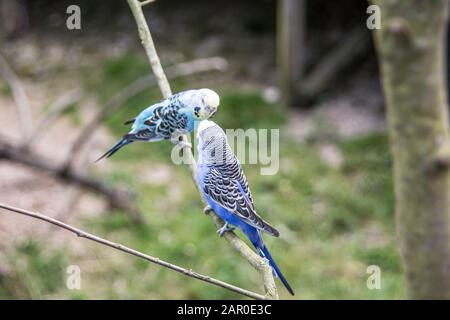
169 118
225 187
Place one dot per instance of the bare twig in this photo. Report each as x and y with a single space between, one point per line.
20 97
144 2
61 104
117 198
83 234
137 86
260 264
149 46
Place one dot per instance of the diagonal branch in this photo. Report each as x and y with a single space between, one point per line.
117 197
149 46
260 264
61 104
83 234
144 2
19 95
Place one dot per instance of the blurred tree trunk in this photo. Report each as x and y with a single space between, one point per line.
290 46
411 49
13 17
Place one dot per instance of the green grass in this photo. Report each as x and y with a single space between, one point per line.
5 89
36 273
334 223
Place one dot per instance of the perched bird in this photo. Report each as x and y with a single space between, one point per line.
223 183
169 118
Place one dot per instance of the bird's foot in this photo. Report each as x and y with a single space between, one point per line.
224 229
185 144
180 141
207 209
176 139
178 135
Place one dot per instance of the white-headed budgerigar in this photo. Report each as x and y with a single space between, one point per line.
169 118
223 183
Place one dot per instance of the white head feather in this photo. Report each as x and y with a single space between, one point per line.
212 145
210 98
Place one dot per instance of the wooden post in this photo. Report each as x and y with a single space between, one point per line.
290 44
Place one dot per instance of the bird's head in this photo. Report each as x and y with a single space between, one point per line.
206 102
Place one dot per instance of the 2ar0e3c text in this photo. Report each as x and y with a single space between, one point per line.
248 309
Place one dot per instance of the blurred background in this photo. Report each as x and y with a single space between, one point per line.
332 199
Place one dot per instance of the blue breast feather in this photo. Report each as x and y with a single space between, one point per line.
222 212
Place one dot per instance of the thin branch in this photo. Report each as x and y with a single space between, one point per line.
61 104
145 2
20 97
137 86
83 234
260 264
149 46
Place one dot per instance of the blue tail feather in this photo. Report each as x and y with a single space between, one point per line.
264 252
121 143
254 236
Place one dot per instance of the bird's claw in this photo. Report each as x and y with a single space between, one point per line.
207 209
224 229
180 141
176 139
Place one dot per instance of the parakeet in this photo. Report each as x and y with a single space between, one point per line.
224 186
169 118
